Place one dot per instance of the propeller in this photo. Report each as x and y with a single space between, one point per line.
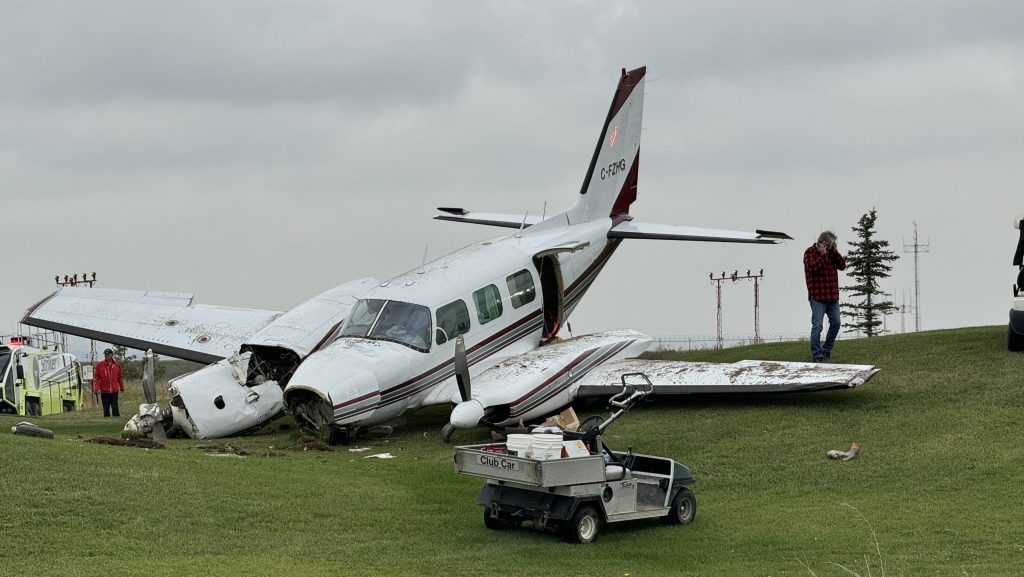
149 390
462 379
149 378
462 369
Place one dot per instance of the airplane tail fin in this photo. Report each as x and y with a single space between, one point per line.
610 185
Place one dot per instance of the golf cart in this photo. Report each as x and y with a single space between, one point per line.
1015 330
585 485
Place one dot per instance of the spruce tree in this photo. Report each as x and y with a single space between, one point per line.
867 263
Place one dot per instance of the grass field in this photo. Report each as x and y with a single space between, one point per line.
935 491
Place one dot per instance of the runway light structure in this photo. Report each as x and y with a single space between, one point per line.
735 276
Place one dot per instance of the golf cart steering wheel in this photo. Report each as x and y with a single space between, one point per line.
589 423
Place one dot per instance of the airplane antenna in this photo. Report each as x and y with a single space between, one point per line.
425 249
544 213
522 225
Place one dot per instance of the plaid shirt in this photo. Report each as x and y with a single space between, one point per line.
820 270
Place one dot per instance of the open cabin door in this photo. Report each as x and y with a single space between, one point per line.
552 290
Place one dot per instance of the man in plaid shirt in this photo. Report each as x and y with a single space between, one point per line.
822 262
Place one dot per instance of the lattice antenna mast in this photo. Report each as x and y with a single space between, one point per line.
917 248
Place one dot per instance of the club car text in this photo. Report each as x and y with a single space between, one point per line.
498 463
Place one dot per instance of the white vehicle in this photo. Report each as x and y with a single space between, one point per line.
1015 329
574 495
367 352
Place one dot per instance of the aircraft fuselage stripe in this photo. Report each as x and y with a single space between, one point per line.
482 351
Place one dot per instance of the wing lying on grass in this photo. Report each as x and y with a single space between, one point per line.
682 378
167 323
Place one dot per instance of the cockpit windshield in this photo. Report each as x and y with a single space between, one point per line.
394 321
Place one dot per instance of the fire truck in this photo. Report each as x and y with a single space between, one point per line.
37 382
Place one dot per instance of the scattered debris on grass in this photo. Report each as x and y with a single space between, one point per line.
27 429
359 449
845 455
137 443
222 450
380 456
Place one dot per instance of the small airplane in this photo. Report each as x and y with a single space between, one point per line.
367 352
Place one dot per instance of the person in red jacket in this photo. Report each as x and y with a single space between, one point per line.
822 262
107 380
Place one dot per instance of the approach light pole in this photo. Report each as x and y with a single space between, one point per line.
85 282
736 276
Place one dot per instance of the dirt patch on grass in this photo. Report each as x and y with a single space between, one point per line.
308 443
137 443
222 450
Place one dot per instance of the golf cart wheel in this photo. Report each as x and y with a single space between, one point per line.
496 523
583 527
1014 341
683 508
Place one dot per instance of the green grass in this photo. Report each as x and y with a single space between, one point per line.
935 491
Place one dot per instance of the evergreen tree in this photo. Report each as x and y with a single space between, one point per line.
867 263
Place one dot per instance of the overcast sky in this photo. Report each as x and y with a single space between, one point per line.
258 153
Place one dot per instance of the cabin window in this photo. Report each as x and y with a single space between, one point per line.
360 320
404 323
488 304
452 321
520 288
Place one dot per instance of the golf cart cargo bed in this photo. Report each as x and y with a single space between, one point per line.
491 461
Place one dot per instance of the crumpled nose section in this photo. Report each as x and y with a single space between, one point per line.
467 414
333 386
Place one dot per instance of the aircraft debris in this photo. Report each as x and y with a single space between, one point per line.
836 454
380 456
141 425
28 429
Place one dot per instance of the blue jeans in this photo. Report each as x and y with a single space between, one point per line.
818 310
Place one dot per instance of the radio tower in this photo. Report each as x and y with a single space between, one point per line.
916 248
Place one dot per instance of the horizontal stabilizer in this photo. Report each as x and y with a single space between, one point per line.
168 323
633 229
487 218
682 378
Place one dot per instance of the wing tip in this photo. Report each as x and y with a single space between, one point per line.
453 210
772 234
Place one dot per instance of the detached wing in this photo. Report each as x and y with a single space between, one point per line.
168 323
632 229
682 378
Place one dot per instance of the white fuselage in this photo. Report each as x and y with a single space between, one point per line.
366 380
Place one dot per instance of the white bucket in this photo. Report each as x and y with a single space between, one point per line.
519 444
547 446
